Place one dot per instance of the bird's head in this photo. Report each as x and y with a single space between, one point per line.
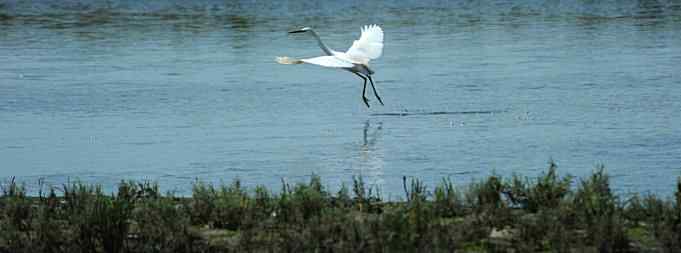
301 30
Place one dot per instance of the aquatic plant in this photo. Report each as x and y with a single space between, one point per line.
494 214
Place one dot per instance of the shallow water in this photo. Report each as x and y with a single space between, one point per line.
173 94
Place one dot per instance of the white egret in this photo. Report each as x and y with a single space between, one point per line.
368 47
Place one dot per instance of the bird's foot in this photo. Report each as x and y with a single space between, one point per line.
379 100
366 101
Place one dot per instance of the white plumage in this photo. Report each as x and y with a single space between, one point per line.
368 47
328 61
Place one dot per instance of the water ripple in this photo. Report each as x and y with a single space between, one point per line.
435 113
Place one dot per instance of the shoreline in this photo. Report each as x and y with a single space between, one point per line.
513 214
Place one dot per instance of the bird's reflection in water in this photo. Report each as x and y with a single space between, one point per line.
370 138
370 162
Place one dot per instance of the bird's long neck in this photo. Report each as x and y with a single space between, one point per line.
326 49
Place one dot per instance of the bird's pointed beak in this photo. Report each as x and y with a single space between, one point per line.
297 31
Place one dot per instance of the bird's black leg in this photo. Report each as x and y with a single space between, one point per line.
374 88
364 90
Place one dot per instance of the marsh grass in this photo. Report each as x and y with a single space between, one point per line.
494 214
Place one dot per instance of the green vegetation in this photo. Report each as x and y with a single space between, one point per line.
493 215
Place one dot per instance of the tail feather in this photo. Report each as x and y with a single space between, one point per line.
288 60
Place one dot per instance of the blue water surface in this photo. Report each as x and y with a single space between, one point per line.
175 91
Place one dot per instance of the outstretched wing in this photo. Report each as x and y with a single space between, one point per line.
328 61
369 46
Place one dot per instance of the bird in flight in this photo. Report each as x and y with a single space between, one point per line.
368 47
